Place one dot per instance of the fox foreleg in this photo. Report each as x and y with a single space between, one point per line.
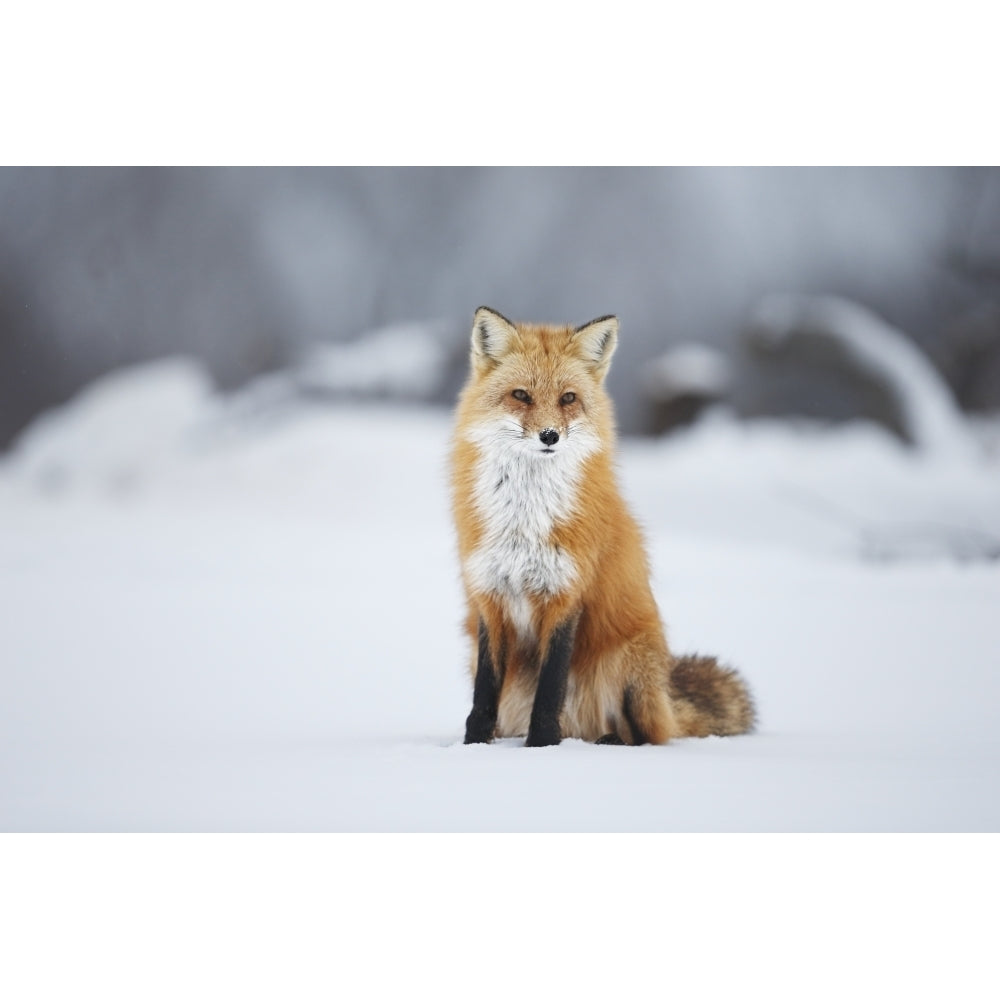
550 694
482 721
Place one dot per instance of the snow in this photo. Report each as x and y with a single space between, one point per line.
259 630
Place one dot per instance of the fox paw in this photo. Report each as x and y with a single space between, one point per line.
479 728
543 734
611 739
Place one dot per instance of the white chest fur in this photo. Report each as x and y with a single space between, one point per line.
521 495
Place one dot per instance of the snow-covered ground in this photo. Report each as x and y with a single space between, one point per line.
243 614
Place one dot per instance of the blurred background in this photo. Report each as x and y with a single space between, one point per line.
827 293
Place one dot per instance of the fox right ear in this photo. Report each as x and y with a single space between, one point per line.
492 338
597 341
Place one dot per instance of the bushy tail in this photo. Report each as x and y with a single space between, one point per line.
710 699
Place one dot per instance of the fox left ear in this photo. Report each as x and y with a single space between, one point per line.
493 335
597 341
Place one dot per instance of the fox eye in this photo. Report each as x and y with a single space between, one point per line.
521 396
567 398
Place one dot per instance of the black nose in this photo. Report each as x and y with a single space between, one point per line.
549 436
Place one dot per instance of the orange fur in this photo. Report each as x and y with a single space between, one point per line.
585 564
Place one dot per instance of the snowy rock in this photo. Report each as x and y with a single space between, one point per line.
682 382
687 369
906 391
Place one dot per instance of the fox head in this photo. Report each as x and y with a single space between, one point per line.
540 389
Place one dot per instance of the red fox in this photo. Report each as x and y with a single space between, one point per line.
566 634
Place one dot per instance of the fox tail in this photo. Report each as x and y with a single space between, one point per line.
710 699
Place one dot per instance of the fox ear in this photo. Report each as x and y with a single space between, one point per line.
492 338
597 341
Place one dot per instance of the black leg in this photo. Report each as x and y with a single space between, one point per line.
551 692
482 720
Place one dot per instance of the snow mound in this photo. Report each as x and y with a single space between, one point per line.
117 427
850 490
403 361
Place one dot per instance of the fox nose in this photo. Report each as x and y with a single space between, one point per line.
549 436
